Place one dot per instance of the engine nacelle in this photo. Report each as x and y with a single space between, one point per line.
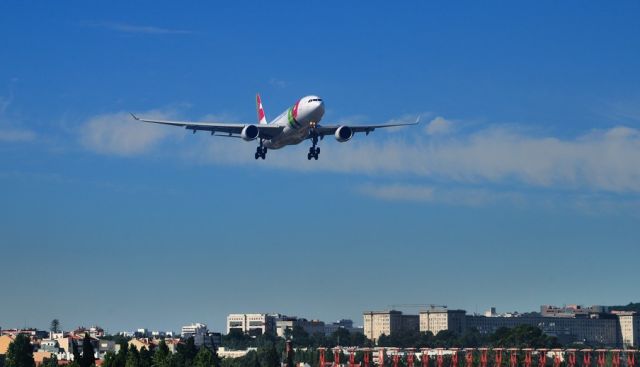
250 132
343 133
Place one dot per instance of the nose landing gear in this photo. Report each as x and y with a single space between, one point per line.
314 151
261 152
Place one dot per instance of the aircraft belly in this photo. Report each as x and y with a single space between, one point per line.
288 137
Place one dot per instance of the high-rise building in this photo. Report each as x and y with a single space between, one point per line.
252 323
436 319
629 323
377 323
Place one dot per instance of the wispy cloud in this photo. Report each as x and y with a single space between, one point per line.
141 29
434 194
119 134
601 160
10 132
279 83
607 160
16 135
439 125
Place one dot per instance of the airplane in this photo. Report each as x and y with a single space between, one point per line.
295 125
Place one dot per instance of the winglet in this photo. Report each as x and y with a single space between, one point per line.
134 116
418 120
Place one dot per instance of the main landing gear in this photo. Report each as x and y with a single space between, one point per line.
261 152
314 151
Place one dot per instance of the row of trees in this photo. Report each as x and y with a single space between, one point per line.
519 336
299 338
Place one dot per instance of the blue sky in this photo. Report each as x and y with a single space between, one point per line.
521 187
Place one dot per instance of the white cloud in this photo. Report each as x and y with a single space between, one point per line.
142 29
433 194
15 135
600 160
606 160
119 134
399 192
439 125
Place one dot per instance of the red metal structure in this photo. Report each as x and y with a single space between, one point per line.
322 357
557 357
586 357
440 358
542 357
528 357
571 361
615 358
381 357
454 357
352 357
498 357
411 352
366 358
602 357
424 358
484 356
396 357
336 357
513 357
631 358
468 357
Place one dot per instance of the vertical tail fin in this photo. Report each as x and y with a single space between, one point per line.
262 118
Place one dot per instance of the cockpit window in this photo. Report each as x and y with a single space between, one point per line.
315 100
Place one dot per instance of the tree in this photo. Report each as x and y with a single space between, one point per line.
186 353
50 362
55 326
88 353
76 352
121 358
133 357
109 359
268 356
162 355
20 353
204 358
145 357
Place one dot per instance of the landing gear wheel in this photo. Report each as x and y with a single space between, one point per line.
261 152
314 151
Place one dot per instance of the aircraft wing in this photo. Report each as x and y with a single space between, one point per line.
331 129
226 129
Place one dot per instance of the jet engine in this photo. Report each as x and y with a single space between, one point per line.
343 133
250 132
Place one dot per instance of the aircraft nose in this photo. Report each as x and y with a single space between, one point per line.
320 108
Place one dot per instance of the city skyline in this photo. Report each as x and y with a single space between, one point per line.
357 322
520 187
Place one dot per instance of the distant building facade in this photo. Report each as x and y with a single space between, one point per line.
201 336
436 319
252 323
593 325
629 328
377 323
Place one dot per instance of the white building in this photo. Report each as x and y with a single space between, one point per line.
192 330
629 323
436 319
252 323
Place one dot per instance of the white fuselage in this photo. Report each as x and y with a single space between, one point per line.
296 121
